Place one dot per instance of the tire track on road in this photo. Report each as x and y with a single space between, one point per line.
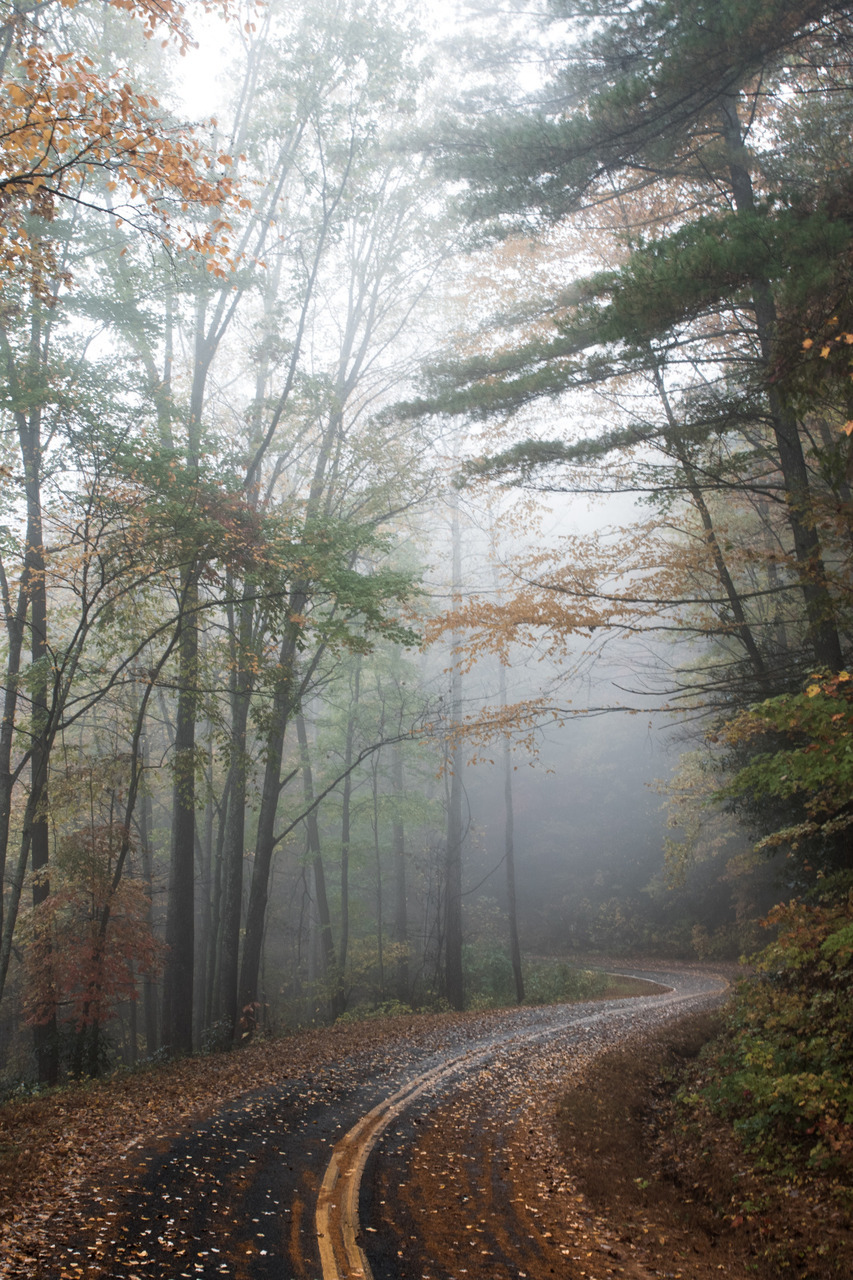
337 1222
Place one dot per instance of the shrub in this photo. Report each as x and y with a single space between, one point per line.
489 981
553 981
786 1081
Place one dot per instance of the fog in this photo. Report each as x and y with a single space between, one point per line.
281 634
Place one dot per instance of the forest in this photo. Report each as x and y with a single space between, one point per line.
426 450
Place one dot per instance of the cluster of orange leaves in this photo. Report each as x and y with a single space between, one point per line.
63 122
610 580
828 685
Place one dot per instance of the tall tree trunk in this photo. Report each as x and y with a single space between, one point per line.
233 855
179 976
345 818
509 854
35 569
820 611
332 976
149 987
398 838
283 701
377 853
453 976
343 935
132 1056
14 619
265 841
204 932
214 942
10 890
177 1034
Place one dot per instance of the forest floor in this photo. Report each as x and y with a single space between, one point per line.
648 1193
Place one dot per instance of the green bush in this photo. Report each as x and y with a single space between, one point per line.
490 982
488 976
786 1077
385 1009
554 981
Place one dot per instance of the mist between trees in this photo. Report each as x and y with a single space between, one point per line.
401 471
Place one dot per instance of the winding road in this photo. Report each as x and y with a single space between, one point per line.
415 1159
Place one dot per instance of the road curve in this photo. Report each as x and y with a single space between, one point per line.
305 1177
337 1219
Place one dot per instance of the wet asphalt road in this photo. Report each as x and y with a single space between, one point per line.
236 1196
439 1200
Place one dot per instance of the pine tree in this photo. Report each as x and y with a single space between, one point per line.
680 105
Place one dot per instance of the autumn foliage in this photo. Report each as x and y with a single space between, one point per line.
786 1083
89 941
66 123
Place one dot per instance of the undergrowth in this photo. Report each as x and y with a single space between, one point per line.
490 982
783 1075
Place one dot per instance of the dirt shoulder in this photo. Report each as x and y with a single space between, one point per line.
672 1191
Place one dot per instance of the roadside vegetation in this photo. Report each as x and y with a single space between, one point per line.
729 1140
782 1070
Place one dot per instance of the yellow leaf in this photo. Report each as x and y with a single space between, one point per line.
812 690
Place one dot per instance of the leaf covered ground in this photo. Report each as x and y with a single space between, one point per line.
58 1148
676 1185
628 1182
